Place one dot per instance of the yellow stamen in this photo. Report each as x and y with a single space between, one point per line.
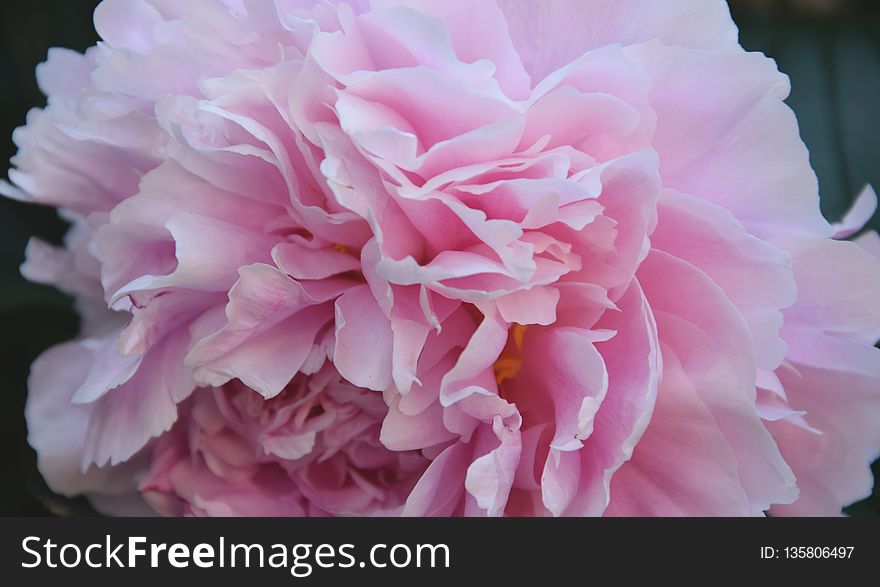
506 368
340 248
519 332
510 362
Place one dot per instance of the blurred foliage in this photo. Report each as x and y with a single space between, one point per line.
830 48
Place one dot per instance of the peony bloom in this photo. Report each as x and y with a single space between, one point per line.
470 257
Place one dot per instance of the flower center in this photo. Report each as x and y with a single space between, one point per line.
510 361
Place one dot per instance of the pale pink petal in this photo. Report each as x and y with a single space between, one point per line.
109 369
755 276
858 215
838 285
714 350
127 417
358 321
440 489
869 241
271 325
632 358
466 377
683 465
301 262
531 306
57 428
490 477
553 33
478 30
127 23
412 432
706 150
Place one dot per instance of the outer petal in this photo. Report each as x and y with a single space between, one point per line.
755 276
858 215
551 33
711 342
143 407
724 134
683 465
831 467
57 428
838 286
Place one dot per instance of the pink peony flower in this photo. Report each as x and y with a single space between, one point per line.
458 258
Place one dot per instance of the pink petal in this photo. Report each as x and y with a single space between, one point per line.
530 306
632 358
57 428
478 30
127 24
271 325
719 115
858 215
549 35
711 342
754 275
143 407
363 352
441 487
413 432
838 285
301 262
683 465
490 477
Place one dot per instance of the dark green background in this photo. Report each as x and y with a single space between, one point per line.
833 60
